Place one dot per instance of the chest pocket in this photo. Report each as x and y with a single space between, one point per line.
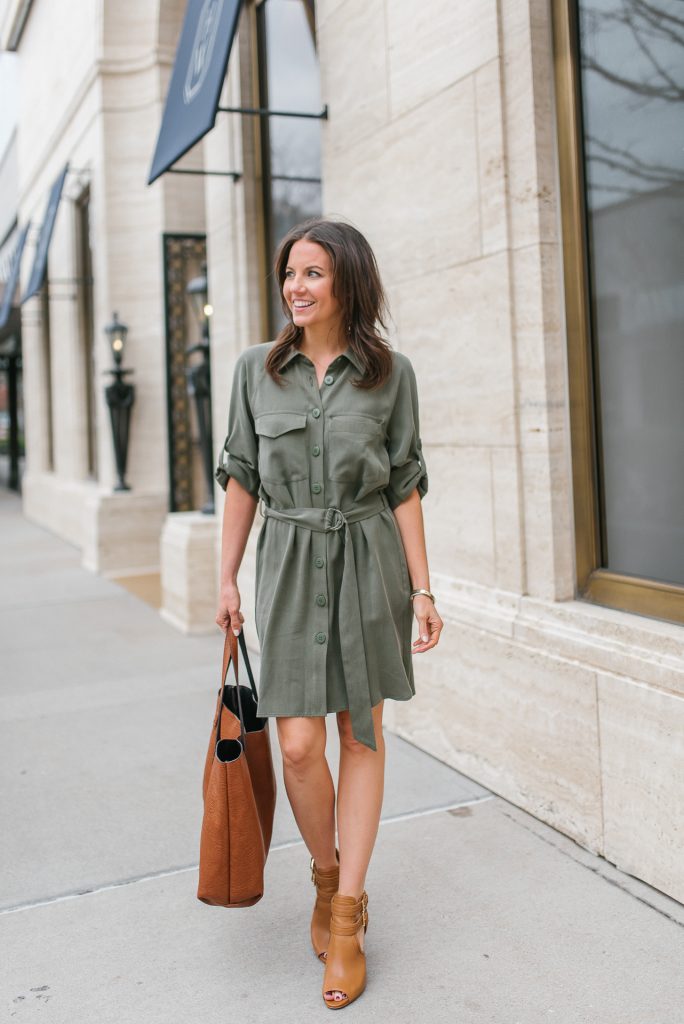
282 446
356 450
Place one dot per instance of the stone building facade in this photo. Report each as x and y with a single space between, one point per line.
451 140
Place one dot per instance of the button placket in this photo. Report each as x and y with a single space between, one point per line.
315 462
320 600
319 543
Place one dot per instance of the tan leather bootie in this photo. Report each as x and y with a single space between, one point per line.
326 883
345 967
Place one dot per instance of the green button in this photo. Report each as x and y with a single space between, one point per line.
321 599
315 413
316 488
316 450
320 638
328 379
318 561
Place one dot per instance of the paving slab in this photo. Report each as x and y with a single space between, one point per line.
113 791
473 916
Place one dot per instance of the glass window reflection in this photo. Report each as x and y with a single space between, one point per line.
632 78
289 81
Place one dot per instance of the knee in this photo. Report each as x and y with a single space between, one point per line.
353 746
301 748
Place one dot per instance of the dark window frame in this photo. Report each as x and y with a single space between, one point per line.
84 263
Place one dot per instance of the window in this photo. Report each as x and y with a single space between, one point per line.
620 86
47 382
86 324
290 146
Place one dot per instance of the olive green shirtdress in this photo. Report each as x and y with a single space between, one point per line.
333 608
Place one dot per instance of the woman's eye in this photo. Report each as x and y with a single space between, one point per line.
314 273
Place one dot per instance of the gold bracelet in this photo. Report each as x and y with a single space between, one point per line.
421 590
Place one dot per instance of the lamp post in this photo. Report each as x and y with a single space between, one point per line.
120 396
199 381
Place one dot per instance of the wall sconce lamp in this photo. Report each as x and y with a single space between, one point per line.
199 381
120 396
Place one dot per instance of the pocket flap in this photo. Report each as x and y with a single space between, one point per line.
355 424
273 424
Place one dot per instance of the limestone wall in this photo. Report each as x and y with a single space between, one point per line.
93 81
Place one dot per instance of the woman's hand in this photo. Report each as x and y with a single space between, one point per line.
229 613
429 623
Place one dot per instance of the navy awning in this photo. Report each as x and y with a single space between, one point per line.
40 258
199 69
13 277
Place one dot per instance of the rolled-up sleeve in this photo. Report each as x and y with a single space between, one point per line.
407 464
239 455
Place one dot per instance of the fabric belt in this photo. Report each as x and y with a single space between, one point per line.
324 520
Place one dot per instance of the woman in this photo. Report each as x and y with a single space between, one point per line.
324 429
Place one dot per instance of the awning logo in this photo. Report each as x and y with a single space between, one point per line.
202 48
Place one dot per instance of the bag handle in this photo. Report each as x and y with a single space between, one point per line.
245 656
230 654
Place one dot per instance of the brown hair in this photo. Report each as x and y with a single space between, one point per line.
357 287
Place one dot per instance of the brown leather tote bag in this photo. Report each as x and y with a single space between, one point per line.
239 791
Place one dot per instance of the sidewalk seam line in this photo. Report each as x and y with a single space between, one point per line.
166 873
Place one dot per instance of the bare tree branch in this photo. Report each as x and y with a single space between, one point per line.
657 13
622 190
644 23
617 165
673 174
671 95
651 59
658 29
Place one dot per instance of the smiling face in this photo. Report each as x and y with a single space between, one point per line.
308 286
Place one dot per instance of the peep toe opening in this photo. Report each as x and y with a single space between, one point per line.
345 971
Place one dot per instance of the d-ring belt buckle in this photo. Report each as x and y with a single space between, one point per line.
334 518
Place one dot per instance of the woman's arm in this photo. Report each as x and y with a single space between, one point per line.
238 515
409 516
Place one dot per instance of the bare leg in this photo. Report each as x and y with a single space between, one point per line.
359 804
309 784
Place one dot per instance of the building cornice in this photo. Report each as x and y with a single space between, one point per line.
100 70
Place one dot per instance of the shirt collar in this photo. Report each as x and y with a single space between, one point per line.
348 353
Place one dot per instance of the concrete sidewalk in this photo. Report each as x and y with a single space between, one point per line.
477 911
